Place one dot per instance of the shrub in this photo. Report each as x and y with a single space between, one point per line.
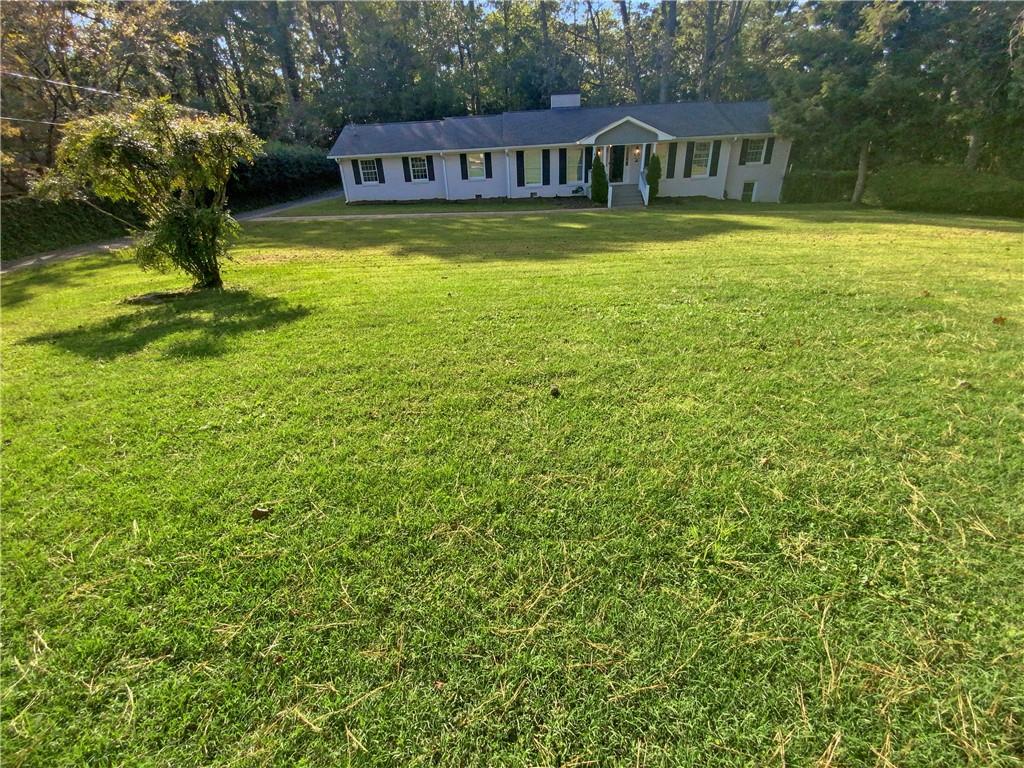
946 189
33 226
173 165
653 176
598 182
281 172
818 186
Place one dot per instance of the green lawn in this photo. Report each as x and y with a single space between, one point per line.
775 516
336 206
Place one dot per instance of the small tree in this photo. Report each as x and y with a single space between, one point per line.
598 182
174 165
653 176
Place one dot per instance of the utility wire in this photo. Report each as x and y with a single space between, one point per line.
26 120
60 82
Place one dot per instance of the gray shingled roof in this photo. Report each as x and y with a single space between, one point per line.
550 126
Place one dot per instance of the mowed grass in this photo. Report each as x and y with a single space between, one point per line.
774 517
336 206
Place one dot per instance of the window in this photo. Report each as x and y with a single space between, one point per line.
477 166
574 166
748 191
368 170
418 168
755 151
701 158
532 166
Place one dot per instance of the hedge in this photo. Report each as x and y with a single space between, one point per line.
283 172
818 186
945 189
29 226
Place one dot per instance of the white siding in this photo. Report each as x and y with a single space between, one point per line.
768 177
470 188
705 186
395 187
554 189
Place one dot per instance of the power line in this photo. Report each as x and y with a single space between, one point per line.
60 82
26 120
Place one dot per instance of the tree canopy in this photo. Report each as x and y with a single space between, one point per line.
864 72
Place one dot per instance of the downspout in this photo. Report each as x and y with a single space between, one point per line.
444 175
508 176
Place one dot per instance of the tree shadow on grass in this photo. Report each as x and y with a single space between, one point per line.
22 285
524 238
196 325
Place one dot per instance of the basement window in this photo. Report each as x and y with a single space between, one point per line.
749 187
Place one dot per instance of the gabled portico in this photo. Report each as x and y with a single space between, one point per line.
624 147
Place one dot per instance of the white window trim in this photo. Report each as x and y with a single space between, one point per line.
540 155
764 148
707 167
483 167
580 166
426 170
362 171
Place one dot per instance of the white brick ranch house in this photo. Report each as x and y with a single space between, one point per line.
719 150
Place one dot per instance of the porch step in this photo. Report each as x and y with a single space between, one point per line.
627 197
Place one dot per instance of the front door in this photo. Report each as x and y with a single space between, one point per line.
618 162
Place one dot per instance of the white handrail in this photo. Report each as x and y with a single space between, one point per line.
645 191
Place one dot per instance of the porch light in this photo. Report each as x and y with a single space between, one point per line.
636 151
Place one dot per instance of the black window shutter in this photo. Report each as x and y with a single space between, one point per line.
405 169
465 166
743 152
561 165
588 162
356 173
673 148
768 150
487 165
546 165
716 150
380 171
688 163
430 167
520 169
647 154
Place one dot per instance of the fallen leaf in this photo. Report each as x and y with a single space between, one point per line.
1000 320
261 513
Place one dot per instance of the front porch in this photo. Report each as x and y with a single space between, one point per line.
625 147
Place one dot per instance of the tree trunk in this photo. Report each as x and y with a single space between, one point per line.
725 46
862 174
634 71
668 37
280 28
973 149
598 49
240 83
707 59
